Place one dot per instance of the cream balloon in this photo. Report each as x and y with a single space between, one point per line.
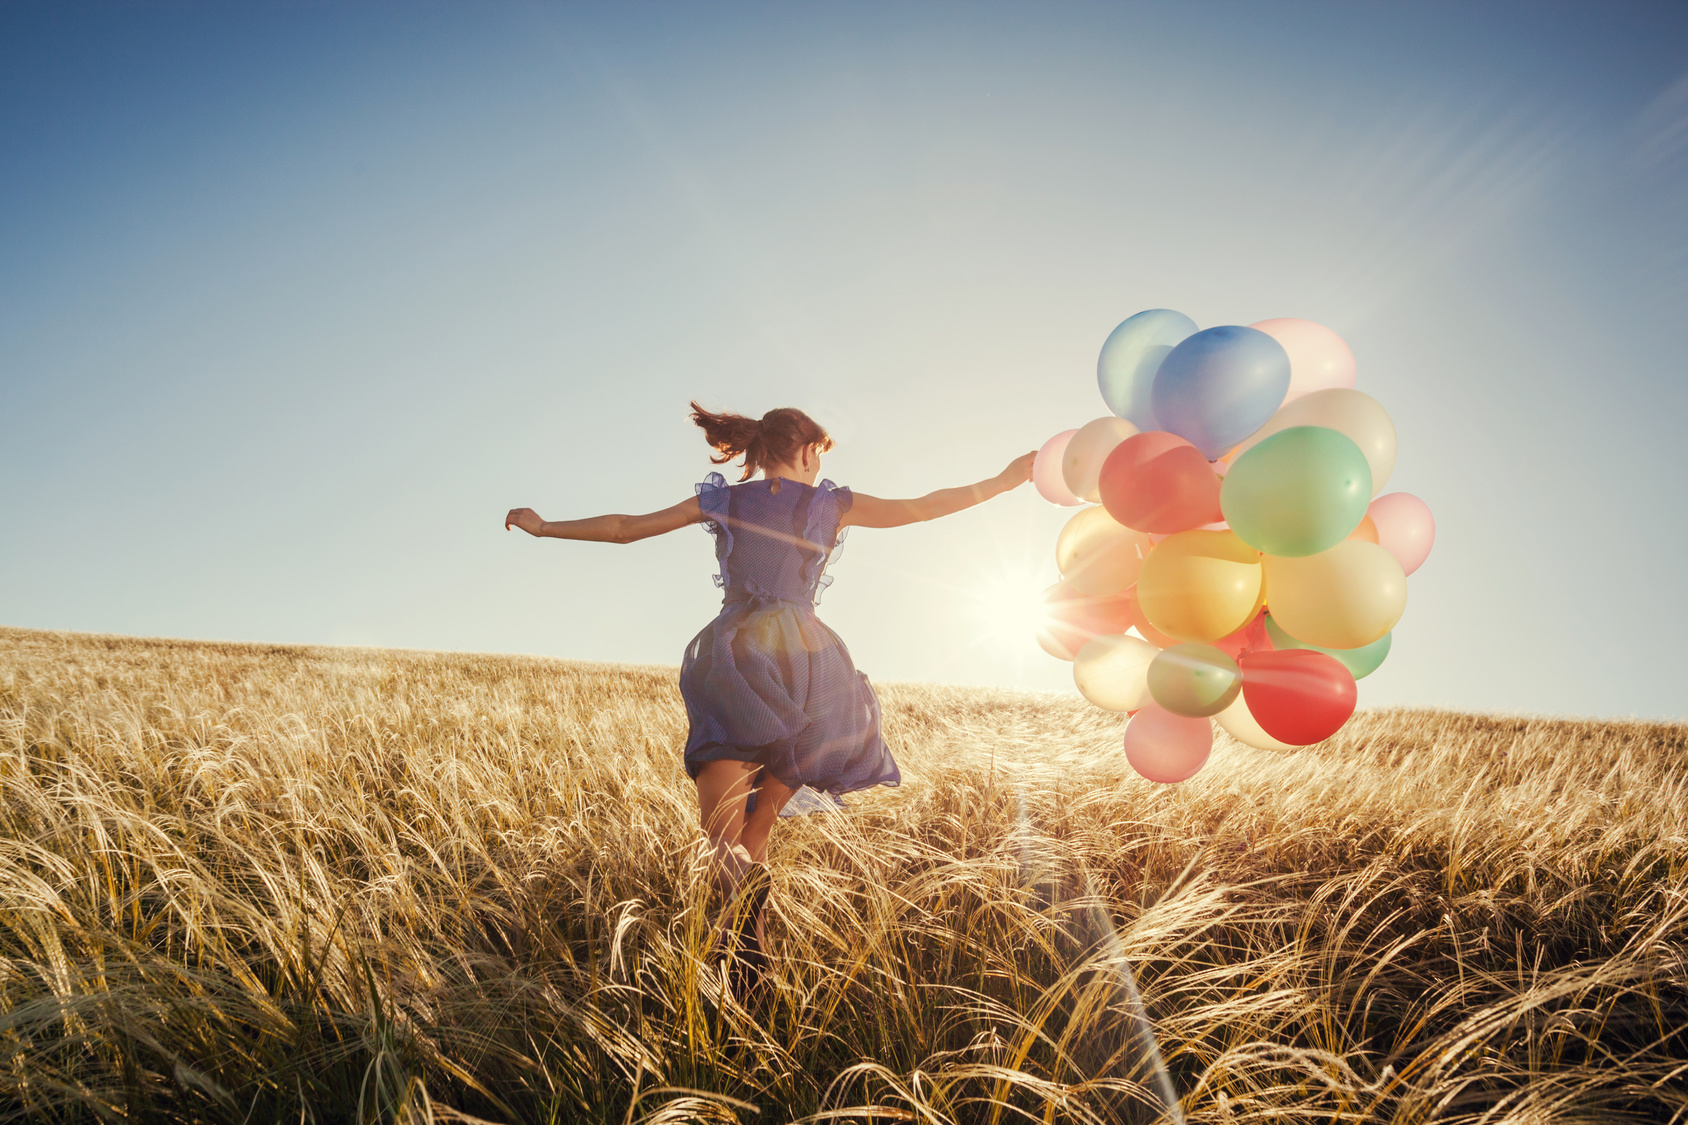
1081 465
1098 556
1318 358
1113 672
1346 597
1238 722
1354 414
1046 471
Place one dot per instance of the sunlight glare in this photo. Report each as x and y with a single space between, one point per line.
1008 606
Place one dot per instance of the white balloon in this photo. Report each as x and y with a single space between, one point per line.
1081 465
1239 723
1354 414
1113 672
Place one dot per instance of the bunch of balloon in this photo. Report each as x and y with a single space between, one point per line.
1233 560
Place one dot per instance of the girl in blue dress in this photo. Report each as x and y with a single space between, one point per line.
773 699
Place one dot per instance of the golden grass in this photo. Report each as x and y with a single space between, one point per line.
248 883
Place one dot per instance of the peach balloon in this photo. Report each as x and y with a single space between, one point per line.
1318 357
1367 531
1346 597
1046 471
1405 528
1053 645
1167 748
1098 556
1070 619
1201 585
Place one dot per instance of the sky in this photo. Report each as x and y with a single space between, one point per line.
297 300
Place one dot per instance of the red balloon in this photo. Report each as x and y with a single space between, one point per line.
1250 638
1159 482
1297 695
1071 618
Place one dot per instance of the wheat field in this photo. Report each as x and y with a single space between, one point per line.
248 883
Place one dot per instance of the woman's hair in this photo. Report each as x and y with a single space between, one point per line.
775 440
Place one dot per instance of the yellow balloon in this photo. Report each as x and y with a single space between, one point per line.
1346 597
1113 672
1097 555
1238 722
1355 414
1081 464
1201 585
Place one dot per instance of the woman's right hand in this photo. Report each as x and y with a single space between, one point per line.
1019 470
525 518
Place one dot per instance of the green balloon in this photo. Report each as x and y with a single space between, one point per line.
1301 491
1360 662
1194 680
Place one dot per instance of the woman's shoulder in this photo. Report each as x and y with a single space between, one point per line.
714 492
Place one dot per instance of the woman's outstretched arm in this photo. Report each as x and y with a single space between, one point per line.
871 511
607 529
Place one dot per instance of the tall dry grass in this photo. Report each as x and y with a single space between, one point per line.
246 883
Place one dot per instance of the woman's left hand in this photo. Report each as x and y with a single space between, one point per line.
525 518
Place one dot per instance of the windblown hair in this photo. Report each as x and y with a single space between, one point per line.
775 440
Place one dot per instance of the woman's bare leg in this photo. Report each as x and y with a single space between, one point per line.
771 796
738 842
722 788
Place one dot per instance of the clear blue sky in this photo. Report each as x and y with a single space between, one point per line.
296 300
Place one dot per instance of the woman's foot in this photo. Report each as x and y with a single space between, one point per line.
747 963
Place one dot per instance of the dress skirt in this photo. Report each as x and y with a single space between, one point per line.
768 682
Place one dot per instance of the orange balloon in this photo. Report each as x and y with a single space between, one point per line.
1367 531
1140 622
1201 585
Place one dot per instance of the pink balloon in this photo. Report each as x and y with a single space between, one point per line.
1046 471
1318 357
1250 638
1165 747
1405 528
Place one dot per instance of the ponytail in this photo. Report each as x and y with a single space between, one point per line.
775 440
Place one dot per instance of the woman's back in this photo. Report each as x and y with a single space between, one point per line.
773 538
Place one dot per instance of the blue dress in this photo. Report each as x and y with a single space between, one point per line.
765 681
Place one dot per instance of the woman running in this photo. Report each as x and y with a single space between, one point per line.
773 699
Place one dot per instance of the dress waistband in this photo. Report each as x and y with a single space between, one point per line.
759 600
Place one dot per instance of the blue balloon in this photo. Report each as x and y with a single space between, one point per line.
1219 386
1130 357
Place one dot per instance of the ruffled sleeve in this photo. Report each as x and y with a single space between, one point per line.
713 493
823 529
